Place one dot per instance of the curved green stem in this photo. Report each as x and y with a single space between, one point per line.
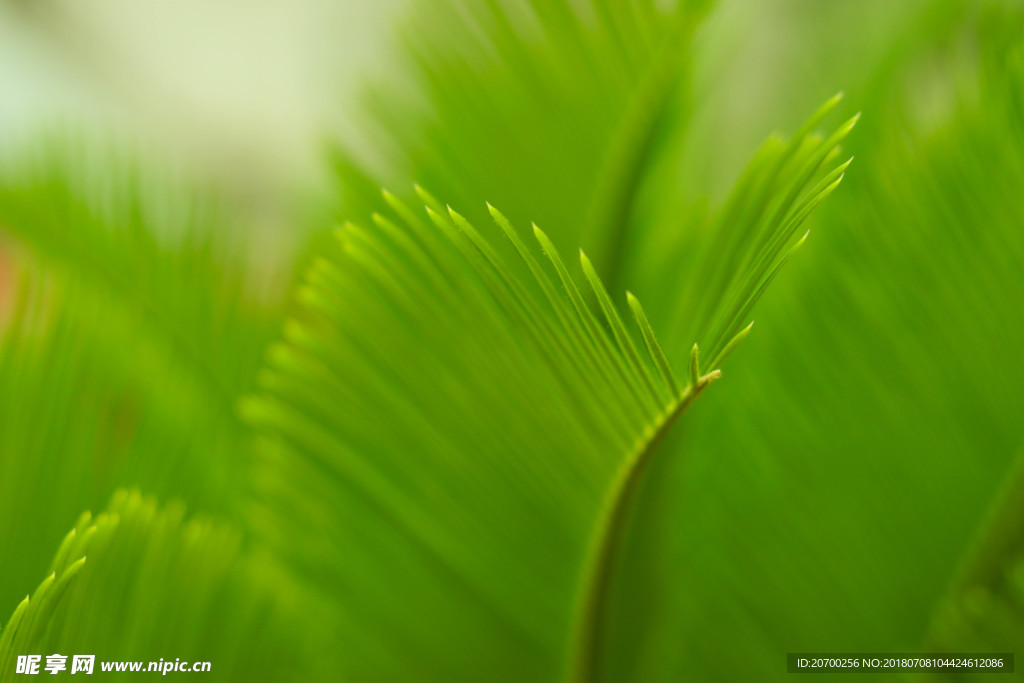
607 538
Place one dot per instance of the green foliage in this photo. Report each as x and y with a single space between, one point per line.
141 582
546 109
130 337
457 461
165 255
981 610
488 427
835 484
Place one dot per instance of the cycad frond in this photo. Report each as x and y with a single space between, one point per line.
133 332
476 433
983 609
149 244
550 110
109 420
863 455
143 582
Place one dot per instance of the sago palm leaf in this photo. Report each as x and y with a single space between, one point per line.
550 110
148 242
983 609
855 470
142 582
467 442
133 331
107 421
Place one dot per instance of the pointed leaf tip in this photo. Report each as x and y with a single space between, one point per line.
653 347
800 242
425 196
588 267
734 342
538 233
498 216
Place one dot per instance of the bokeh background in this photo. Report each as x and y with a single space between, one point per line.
852 484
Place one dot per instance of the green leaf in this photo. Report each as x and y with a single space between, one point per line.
147 242
132 331
981 609
450 449
142 583
551 110
827 497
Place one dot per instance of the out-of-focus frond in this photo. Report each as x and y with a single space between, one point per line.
132 333
550 109
983 610
164 253
79 418
140 582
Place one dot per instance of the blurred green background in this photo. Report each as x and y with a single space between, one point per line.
169 171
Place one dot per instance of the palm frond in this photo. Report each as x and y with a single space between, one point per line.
103 421
132 333
141 581
147 242
476 433
834 492
982 608
551 110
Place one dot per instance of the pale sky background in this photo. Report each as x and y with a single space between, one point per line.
248 90
232 84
